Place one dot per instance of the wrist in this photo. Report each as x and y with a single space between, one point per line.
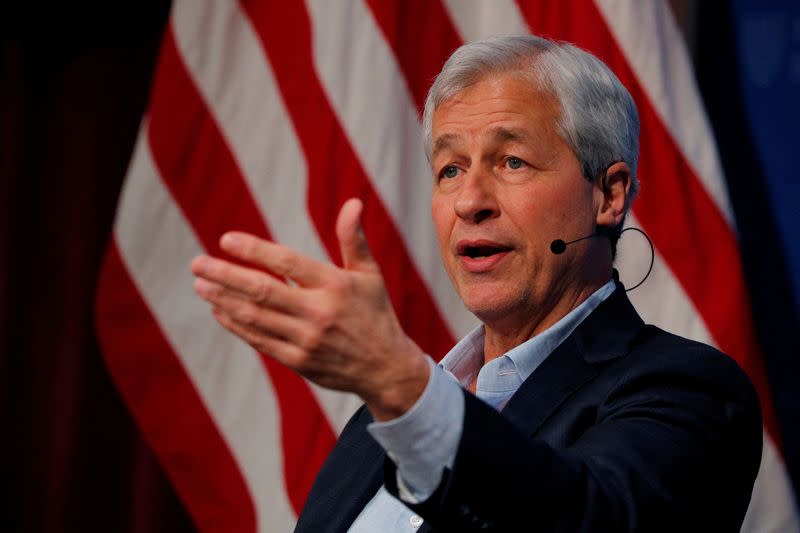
401 390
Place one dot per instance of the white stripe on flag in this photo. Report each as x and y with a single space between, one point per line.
480 19
661 300
656 51
228 374
231 71
370 97
772 509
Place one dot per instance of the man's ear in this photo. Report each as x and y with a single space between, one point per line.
611 193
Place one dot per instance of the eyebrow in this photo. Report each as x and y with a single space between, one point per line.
444 141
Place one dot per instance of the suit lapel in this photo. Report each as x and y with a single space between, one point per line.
562 373
363 483
365 476
349 478
604 335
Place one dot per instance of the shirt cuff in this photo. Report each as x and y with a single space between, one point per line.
424 440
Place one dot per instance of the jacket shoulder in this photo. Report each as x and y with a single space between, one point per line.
656 350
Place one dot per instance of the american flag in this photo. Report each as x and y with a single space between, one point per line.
264 116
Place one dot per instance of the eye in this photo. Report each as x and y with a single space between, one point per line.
515 163
449 172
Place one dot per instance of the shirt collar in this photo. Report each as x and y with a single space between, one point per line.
465 360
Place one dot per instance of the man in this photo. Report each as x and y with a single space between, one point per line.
563 411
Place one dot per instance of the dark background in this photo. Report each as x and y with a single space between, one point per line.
73 87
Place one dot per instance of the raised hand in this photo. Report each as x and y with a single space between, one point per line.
335 326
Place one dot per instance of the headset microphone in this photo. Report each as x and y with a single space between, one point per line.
558 246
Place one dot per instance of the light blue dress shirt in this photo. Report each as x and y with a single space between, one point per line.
424 441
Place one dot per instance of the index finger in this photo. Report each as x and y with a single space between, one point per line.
243 282
276 258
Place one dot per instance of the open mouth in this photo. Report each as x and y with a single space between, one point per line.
481 250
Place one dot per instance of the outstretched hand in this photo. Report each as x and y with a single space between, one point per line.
335 326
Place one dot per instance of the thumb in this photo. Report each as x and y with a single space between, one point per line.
352 241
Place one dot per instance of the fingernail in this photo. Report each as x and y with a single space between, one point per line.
198 264
229 240
202 287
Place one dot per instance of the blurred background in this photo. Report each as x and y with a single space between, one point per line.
75 82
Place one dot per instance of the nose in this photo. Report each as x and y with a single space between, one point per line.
476 200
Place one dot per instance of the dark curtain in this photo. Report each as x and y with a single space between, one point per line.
73 87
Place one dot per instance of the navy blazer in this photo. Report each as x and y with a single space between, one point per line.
623 428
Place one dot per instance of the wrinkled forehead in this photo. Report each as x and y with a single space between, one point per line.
524 75
501 107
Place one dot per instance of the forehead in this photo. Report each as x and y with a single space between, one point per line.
497 102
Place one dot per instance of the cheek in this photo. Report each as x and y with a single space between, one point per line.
540 217
443 217
549 211
533 213
443 221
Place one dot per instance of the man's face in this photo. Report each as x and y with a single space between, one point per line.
507 185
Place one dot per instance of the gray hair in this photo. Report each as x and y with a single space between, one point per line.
598 117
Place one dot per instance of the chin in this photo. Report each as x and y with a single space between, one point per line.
490 303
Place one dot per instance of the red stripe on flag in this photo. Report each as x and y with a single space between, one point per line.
171 414
335 173
673 206
421 35
197 166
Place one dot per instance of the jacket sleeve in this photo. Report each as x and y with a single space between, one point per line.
674 446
